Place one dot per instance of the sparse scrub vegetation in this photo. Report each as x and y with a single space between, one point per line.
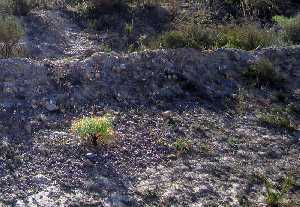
276 195
291 28
263 73
246 37
189 127
10 34
277 117
94 130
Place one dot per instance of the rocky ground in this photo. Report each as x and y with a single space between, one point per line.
156 99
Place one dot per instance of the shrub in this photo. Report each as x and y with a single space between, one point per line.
97 130
174 39
246 37
10 34
193 36
264 73
291 27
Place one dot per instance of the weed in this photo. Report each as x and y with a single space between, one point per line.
128 28
97 130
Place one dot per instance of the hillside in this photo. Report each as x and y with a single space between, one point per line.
144 103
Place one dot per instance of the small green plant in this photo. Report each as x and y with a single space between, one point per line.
128 28
182 146
10 34
291 27
277 117
264 73
276 194
232 142
97 130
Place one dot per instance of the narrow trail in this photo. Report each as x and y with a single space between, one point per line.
52 34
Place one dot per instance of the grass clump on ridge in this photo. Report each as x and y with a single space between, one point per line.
263 73
95 130
277 117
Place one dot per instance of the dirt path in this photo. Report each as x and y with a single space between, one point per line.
52 34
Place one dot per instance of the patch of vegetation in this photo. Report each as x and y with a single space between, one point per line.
128 28
277 117
233 142
190 37
276 194
258 9
246 37
182 146
18 7
291 27
263 73
293 108
10 34
241 102
96 130
206 149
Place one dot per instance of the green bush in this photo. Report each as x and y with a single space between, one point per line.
191 36
97 130
264 73
10 34
174 39
246 37
291 27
